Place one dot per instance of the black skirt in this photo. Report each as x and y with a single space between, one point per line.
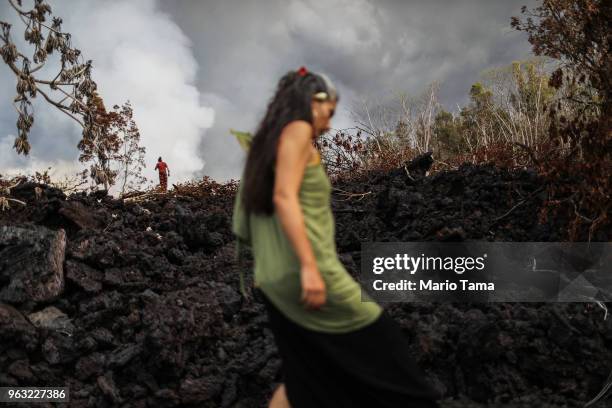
368 367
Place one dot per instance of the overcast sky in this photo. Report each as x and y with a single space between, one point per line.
194 69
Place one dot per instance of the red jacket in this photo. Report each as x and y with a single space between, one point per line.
161 166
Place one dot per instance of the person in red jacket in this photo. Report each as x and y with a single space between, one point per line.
164 173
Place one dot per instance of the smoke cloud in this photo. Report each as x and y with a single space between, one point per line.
139 54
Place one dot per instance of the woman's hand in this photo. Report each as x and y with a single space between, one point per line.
313 287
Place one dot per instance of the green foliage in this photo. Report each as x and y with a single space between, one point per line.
480 96
532 89
447 135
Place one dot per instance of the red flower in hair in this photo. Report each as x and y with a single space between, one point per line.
302 71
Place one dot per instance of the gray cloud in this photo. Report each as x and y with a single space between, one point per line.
370 48
139 54
235 52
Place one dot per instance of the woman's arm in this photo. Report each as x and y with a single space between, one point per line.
292 157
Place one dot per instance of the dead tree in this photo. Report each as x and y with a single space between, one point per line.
72 90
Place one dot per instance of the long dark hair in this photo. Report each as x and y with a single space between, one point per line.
291 101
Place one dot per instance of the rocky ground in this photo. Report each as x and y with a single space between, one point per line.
136 303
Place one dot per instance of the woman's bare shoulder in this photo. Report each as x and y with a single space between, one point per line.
299 126
296 136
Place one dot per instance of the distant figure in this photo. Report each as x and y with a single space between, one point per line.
164 173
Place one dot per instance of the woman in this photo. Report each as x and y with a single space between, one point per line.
336 350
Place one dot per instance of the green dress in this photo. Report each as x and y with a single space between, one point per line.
277 267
